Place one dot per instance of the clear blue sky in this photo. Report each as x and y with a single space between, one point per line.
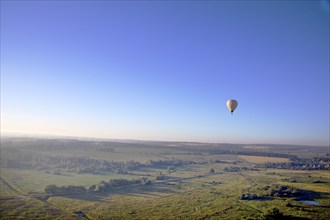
164 70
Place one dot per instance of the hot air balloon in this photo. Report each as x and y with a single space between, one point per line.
232 105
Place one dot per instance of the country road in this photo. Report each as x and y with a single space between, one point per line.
6 184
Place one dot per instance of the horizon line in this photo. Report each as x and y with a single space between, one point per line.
90 138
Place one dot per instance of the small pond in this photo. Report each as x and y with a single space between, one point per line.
309 202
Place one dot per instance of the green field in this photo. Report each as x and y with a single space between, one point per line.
197 198
26 181
189 191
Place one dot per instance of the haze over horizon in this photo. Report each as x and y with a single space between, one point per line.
164 70
90 138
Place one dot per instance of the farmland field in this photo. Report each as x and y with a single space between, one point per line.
71 179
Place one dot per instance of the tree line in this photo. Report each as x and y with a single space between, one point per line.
275 190
102 186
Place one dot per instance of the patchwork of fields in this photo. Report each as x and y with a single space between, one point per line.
183 183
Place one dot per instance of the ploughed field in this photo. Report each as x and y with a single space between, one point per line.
79 179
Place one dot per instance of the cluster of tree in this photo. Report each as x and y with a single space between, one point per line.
277 190
274 214
55 190
104 186
171 169
211 161
159 175
248 196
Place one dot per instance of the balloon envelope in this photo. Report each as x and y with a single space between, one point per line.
232 105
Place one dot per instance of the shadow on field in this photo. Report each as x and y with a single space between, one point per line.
148 190
264 198
309 194
92 197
